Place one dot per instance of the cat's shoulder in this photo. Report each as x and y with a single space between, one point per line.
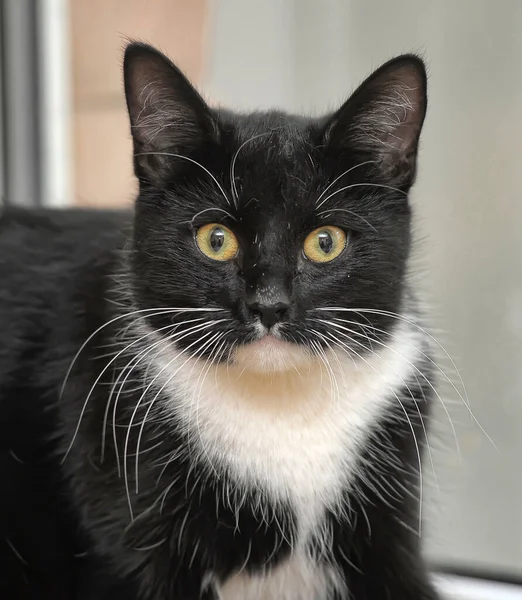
45 221
38 234
52 251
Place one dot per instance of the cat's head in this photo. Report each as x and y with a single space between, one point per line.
272 236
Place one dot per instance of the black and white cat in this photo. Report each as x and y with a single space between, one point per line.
223 395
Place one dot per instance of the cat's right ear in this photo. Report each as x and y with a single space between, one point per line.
168 117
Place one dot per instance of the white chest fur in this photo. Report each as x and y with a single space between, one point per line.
297 579
296 435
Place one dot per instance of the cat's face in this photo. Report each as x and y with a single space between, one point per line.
278 237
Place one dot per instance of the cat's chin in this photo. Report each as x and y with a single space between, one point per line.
270 354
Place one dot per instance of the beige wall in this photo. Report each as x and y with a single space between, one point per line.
99 30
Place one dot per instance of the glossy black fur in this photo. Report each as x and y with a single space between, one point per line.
65 527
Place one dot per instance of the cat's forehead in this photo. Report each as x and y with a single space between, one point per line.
271 160
276 135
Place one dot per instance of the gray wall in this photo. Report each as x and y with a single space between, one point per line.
306 54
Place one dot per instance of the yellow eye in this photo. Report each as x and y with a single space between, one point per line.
217 242
324 244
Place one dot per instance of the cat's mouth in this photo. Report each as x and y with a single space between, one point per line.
271 353
269 343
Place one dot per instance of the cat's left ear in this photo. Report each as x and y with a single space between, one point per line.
168 117
382 120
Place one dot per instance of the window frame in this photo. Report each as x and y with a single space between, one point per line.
35 149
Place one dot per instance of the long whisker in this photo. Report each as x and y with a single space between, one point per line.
333 381
404 318
202 348
125 316
153 401
198 351
143 395
235 195
367 162
216 353
109 401
134 361
344 347
103 371
369 483
341 370
410 321
350 212
137 359
136 408
354 185
211 209
195 162
424 355
414 366
430 454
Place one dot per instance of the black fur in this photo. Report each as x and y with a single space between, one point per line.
65 527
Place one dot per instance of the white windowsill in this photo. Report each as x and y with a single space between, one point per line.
464 588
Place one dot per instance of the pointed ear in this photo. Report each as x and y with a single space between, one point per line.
383 119
167 115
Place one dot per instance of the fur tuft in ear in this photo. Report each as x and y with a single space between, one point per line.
167 115
383 119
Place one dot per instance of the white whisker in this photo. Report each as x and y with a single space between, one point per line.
410 321
367 162
425 356
212 209
212 358
235 195
152 402
95 333
103 371
344 347
356 185
136 408
389 348
190 160
138 358
350 212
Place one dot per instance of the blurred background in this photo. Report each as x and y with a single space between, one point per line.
65 142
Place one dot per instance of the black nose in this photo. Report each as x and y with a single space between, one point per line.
269 314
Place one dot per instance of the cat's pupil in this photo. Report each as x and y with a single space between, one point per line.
217 239
325 242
